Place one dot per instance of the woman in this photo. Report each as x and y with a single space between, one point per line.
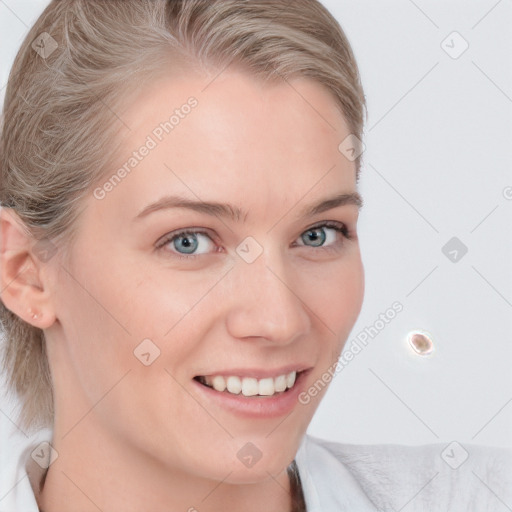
180 263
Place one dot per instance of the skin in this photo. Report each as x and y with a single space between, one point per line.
141 438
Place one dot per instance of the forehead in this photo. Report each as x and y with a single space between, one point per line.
238 111
234 135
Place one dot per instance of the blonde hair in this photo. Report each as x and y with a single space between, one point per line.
80 62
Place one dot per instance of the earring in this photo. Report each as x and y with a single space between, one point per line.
32 314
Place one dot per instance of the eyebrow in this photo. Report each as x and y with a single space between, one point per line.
235 213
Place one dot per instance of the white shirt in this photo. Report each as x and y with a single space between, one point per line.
345 477
392 478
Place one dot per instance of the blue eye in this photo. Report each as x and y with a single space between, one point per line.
324 235
317 236
189 243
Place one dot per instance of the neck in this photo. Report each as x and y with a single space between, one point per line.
95 472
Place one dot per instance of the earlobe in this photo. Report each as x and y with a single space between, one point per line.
23 286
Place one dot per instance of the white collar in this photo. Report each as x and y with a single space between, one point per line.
328 486
21 476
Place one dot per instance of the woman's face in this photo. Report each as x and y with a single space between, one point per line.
264 283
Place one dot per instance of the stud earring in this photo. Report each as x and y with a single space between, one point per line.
32 314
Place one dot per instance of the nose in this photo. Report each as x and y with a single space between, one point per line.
265 303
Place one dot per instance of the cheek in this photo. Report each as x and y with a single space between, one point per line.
92 305
335 295
163 299
352 291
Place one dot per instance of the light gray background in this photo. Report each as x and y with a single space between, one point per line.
437 166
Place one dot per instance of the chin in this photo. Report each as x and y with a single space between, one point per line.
256 460
260 472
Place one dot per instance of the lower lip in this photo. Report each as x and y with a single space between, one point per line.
273 406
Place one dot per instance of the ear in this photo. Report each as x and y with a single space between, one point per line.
25 271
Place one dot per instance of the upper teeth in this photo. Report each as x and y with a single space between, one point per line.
250 386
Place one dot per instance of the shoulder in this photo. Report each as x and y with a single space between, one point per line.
450 476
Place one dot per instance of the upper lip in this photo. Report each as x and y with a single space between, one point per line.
258 373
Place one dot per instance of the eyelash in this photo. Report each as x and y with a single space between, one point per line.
170 237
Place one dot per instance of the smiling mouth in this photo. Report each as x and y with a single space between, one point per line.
249 386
